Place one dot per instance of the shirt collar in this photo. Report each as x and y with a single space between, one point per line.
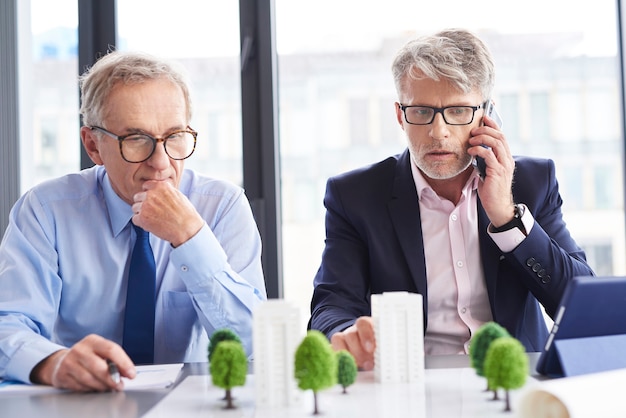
120 212
425 192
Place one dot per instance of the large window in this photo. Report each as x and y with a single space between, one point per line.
557 90
207 48
50 140
204 39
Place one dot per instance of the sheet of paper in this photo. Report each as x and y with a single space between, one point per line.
153 377
158 376
584 396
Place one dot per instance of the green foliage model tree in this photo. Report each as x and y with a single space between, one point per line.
229 367
346 369
506 366
315 365
481 340
219 335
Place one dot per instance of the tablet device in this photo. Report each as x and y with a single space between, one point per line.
590 307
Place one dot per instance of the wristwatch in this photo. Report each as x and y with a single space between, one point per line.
516 222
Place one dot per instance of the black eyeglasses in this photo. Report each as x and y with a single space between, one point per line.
137 148
452 115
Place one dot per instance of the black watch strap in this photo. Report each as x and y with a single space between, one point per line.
516 222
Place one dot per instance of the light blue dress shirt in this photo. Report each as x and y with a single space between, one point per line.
64 263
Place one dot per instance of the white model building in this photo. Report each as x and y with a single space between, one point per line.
276 335
399 328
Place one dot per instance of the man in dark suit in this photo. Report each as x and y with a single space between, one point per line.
479 248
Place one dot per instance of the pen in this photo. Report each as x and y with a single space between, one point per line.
114 372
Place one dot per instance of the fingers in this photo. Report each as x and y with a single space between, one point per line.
359 340
138 198
489 135
489 142
495 190
489 121
157 199
365 331
498 163
84 367
73 372
164 211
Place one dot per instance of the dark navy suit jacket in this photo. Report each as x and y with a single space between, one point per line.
374 245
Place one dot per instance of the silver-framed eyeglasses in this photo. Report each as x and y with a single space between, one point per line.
139 147
452 115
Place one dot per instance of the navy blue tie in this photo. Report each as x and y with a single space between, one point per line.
140 301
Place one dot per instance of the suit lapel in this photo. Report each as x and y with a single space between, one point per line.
404 212
490 254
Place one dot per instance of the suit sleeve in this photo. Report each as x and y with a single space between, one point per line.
341 285
549 257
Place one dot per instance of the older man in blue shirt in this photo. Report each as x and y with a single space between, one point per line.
64 259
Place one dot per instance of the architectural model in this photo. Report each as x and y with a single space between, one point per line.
399 327
277 333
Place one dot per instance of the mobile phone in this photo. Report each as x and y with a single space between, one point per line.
479 162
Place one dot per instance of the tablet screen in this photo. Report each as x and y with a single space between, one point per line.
590 307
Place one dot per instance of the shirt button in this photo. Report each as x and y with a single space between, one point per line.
459 263
184 268
453 217
463 310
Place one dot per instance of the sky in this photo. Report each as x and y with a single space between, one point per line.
211 27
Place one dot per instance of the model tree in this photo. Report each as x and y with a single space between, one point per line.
481 340
315 364
346 369
506 366
229 368
219 335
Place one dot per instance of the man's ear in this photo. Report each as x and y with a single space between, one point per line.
399 115
91 143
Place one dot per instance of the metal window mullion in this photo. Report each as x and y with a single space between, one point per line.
259 107
97 34
9 110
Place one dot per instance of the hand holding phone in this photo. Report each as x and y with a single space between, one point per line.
479 162
491 111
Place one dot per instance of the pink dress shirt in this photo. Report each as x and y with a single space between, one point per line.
458 303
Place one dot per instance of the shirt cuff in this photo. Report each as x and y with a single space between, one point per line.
507 241
28 356
200 256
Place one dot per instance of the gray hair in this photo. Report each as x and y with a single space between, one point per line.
128 68
456 55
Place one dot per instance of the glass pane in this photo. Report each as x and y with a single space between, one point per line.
557 90
50 138
206 43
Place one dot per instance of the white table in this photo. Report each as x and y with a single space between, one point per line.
451 390
445 393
